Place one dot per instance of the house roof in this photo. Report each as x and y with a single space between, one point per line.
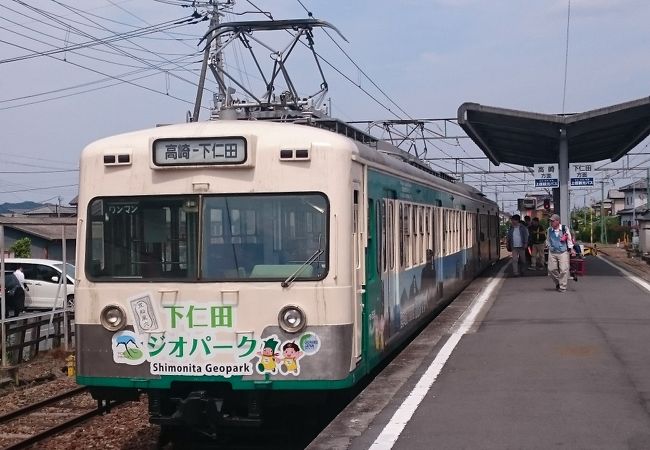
638 185
615 194
50 209
44 227
638 210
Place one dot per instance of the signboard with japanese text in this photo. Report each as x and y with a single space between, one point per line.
581 174
199 151
547 175
192 338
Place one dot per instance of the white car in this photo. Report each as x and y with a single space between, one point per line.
42 281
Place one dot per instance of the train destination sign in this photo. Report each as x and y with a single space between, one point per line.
547 175
199 151
581 174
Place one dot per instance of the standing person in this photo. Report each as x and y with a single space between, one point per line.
537 242
20 275
516 243
528 251
560 244
19 294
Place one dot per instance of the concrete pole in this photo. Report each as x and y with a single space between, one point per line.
3 313
602 212
647 190
591 225
214 21
64 275
564 179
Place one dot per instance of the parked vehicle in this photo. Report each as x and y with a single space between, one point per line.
42 278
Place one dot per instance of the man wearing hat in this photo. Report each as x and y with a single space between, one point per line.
560 245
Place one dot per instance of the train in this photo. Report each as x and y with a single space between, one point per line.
227 266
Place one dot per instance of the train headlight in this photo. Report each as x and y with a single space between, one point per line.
113 318
292 319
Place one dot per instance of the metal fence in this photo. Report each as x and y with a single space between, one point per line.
28 334
26 330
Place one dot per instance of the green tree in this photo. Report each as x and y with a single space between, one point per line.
22 248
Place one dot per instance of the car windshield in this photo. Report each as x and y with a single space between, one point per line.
241 237
69 269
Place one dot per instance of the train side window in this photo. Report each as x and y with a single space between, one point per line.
415 226
390 241
383 226
444 232
400 233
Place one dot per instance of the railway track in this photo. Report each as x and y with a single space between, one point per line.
40 420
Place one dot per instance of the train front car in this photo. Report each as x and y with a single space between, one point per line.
219 269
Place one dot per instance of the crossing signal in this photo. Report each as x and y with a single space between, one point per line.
547 204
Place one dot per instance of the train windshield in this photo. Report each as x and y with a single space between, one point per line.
211 238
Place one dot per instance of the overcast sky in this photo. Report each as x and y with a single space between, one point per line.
428 57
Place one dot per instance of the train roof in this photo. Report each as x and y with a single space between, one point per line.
335 132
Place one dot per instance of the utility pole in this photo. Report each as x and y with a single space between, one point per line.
634 204
647 190
603 237
591 225
214 21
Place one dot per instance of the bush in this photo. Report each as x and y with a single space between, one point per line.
22 248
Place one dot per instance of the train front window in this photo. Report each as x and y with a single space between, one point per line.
143 238
243 237
264 237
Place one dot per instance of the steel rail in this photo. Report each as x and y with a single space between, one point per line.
42 435
34 406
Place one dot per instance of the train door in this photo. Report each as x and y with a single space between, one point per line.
358 255
391 271
477 235
489 235
438 239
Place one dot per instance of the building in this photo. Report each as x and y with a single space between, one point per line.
45 234
51 210
617 201
635 203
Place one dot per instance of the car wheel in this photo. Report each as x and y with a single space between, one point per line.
70 301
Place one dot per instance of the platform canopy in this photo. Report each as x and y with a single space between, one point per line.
528 138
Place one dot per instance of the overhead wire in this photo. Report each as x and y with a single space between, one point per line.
68 29
40 188
104 74
94 41
76 11
88 68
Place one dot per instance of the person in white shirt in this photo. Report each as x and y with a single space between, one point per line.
560 245
19 294
20 275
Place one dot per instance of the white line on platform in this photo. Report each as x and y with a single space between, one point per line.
644 284
402 416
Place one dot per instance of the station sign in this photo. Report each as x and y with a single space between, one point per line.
526 203
547 175
581 174
199 151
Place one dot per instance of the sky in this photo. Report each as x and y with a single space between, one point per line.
61 88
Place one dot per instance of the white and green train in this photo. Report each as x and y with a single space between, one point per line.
227 264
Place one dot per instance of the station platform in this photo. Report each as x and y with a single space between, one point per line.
513 364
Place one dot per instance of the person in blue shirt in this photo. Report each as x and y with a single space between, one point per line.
560 245
517 242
